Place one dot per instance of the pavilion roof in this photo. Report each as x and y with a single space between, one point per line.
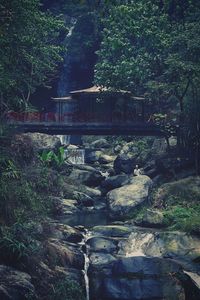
98 89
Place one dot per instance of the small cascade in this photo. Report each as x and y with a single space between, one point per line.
86 264
138 243
64 139
75 156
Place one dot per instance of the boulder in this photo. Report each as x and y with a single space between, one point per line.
106 159
15 285
124 163
137 278
43 142
67 233
64 255
86 177
69 206
185 190
114 182
83 199
175 245
101 143
124 200
151 218
92 156
101 244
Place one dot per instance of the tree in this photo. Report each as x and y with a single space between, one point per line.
133 47
153 47
29 50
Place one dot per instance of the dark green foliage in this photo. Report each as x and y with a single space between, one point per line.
29 50
181 218
63 289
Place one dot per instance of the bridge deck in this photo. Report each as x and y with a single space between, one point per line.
140 129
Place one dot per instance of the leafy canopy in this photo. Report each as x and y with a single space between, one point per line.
29 50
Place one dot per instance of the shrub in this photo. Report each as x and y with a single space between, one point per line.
64 288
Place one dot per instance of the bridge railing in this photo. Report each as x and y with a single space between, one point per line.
76 117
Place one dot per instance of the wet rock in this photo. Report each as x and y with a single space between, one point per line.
15 285
98 260
114 182
100 244
175 245
101 143
86 177
151 218
137 278
112 230
124 163
122 201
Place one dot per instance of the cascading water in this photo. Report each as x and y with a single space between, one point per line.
87 235
75 156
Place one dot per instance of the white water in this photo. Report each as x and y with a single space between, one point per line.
86 264
75 156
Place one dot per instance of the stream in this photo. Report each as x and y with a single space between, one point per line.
125 261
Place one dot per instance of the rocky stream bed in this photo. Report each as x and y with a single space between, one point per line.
112 256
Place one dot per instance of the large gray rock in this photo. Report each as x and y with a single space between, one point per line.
122 201
41 141
101 244
114 182
136 278
101 143
175 245
124 163
106 159
15 285
86 177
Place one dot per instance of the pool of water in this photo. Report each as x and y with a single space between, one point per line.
86 219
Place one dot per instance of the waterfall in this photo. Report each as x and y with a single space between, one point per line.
75 156
87 235
64 84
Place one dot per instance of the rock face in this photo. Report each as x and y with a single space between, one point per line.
15 285
124 163
122 201
136 278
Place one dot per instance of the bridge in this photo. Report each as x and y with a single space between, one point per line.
139 129
93 111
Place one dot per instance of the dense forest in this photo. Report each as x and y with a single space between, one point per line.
151 50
